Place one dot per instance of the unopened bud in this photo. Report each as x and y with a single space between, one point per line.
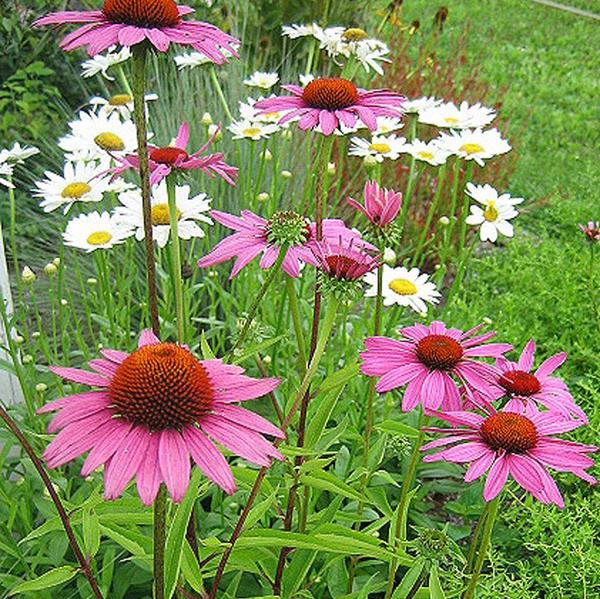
92 281
267 360
263 196
331 168
266 155
286 174
36 335
214 129
50 269
286 134
56 262
444 221
41 387
370 161
487 320
212 273
27 359
27 276
389 257
206 119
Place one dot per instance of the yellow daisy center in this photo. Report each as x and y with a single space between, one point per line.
471 149
160 214
120 100
381 148
425 155
99 238
491 212
354 34
75 191
451 120
271 116
403 287
251 132
109 141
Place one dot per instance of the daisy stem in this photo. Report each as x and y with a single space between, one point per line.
139 114
475 538
160 514
273 271
176 254
483 548
39 466
297 320
13 236
451 214
220 94
463 218
123 80
402 507
411 176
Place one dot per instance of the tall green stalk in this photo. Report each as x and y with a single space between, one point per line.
160 536
176 259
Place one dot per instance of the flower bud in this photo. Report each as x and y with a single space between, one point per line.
50 269
286 134
370 161
389 257
266 155
286 174
444 221
331 168
36 335
41 387
487 320
267 360
18 339
27 359
206 119
64 302
56 262
28 276
92 281
263 196
212 129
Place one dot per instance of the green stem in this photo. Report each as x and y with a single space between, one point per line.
123 80
13 236
411 176
485 543
176 254
405 490
220 94
591 279
464 213
160 514
273 271
139 114
475 538
452 212
297 320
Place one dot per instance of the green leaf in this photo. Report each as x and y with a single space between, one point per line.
47 580
91 532
317 420
191 569
341 377
259 510
409 580
137 544
392 427
255 349
435 588
176 536
328 482
207 353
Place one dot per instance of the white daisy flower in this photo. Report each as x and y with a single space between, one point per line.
78 183
379 147
296 31
427 152
122 104
404 287
387 124
457 117
196 59
102 62
306 79
93 135
253 130
474 144
6 170
95 231
190 211
370 53
420 104
493 218
262 80
17 154
248 112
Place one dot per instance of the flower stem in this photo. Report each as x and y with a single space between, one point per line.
139 114
273 271
475 538
591 282
13 236
220 94
160 513
452 213
176 254
406 486
483 548
83 562
411 176
297 320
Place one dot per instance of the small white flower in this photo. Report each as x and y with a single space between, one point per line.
389 256
252 130
427 152
306 79
296 31
248 112
27 275
387 124
196 59
78 183
404 287
7 170
17 154
216 131
207 119
262 80
370 54
462 117
93 135
190 211
474 144
420 104
493 218
102 62
95 231
122 104
379 147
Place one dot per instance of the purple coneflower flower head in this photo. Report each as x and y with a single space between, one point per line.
432 362
503 443
162 161
591 230
153 410
255 235
333 103
129 22
525 388
381 206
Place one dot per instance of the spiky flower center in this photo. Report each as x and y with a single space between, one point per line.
99 238
342 267
471 149
287 228
491 212
75 191
120 100
167 155
403 287
380 148
439 352
109 141
330 94
520 383
143 13
354 34
161 386
512 432
160 214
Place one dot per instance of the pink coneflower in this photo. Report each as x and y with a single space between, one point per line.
344 262
331 103
155 408
591 230
526 389
129 22
432 361
504 443
164 160
256 235
381 205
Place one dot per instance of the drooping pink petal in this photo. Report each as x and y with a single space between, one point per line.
248 419
479 466
84 377
526 360
102 451
174 459
496 478
149 475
